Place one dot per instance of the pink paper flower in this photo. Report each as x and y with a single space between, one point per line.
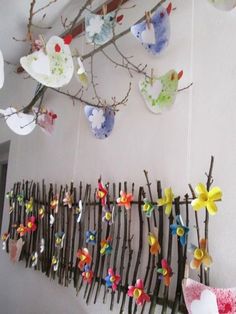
31 224
137 292
112 279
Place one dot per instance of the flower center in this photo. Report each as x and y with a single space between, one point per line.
198 254
164 272
151 240
123 199
58 241
101 194
113 279
137 293
146 207
87 275
180 231
91 237
108 216
29 224
82 257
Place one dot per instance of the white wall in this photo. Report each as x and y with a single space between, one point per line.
174 147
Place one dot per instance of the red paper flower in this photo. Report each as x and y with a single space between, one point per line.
84 258
125 199
102 192
30 224
138 293
22 230
165 272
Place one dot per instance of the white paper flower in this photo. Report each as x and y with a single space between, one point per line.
34 259
95 25
97 118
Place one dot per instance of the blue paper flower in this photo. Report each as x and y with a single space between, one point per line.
91 237
180 230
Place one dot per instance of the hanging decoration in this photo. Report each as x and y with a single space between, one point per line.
203 299
101 121
1 70
159 92
81 74
52 67
154 32
225 5
19 122
99 28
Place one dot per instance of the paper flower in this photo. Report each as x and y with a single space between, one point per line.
34 259
106 247
54 204
22 230
207 199
9 194
59 239
112 279
102 192
148 208
180 230
42 245
41 212
4 237
125 199
166 272
200 255
84 258
20 199
31 225
52 220
87 274
68 199
79 211
167 201
97 118
107 215
81 74
91 237
155 247
137 292
55 263
29 206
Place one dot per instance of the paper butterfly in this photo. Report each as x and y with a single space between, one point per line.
1 70
206 300
155 36
101 121
20 123
159 93
53 67
225 5
99 28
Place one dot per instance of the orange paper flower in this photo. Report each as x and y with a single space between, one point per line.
200 255
84 258
125 200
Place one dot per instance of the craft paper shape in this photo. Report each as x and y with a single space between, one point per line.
20 123
79 211
155 36
206 300
42 245
159 92
225 5
99 27
1 70
53 67
101 121
15 248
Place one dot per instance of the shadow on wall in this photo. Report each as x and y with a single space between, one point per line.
4 153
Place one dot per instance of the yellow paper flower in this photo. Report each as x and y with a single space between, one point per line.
200 255
166 201
207 199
